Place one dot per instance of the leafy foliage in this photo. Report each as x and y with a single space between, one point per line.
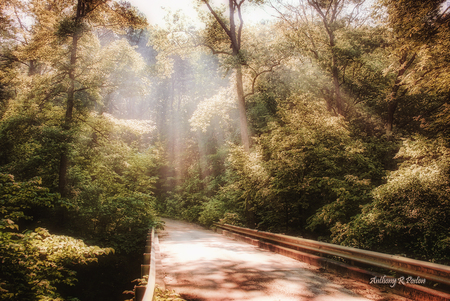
166 295
59 71
19 199
409 214
35 262
307 161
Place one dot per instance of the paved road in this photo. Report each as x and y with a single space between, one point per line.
202 265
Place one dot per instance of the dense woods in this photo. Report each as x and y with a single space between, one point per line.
329 121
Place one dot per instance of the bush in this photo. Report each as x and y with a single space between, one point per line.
212 212
410 214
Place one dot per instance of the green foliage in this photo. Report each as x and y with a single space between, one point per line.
68 27
416 20
215 109
119 222
231 219
195 198
112 180
166 295
55 57
18 200
35 262
112 184
187 202
31 148
312 162
409 214
212 211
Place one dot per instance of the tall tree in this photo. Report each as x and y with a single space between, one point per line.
86 15
81 12
316 28
232 27
225 36
420 35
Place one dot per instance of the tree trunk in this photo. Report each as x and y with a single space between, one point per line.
235 41
392 99
68 118
392 107
329 27
337 89
64 161
32 68
335 73
242 111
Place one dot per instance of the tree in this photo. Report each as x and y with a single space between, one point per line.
54 50
74 27
420 33
233 31
57 71
224 37
410 213
255 54
35 262
316 28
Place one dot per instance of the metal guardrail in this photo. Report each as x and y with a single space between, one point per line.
148 268
430 271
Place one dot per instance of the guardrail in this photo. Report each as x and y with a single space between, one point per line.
406 266
148 268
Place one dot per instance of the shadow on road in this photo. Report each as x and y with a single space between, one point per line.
201 265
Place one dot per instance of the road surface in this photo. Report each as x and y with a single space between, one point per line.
202 265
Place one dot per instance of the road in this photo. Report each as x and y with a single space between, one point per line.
202 265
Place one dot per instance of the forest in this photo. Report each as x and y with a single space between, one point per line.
329 120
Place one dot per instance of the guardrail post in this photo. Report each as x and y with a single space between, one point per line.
145 293
145 270
139 292
147 258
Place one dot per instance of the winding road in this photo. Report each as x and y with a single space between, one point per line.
202 265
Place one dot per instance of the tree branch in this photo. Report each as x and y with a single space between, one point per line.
259 74
218 19
241 24
213 50
92 127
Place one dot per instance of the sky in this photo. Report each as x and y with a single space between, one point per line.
155 14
